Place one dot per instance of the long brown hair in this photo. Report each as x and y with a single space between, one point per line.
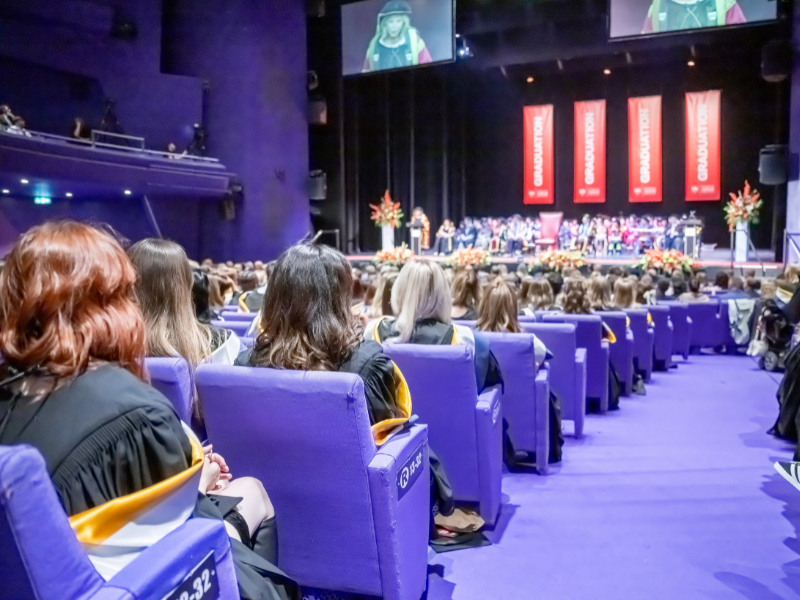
576 301
498 309
599 293
540 294
307 323
164 290
623 293
466 290
66 300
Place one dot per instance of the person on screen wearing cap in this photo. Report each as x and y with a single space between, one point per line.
396 44
674 15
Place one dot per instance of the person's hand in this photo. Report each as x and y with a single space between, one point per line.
216 473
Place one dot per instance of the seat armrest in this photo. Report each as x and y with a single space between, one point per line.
400 483
579 406
489 423
165 564
542 396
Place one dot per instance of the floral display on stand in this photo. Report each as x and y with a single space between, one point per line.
743 208
387 212
558 260
665 261
469 256
395 257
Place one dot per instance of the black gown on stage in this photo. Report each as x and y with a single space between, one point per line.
106 434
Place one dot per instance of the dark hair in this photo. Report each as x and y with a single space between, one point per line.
576 300
306 322
753 284
466 290
721 280
736 283
200 295
556 282
694 285
663 285
248 281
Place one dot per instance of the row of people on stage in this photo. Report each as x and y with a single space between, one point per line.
599 235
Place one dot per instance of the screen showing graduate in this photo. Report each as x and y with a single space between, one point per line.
631 18
381 35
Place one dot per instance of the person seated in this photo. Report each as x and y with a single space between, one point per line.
466 295
19 127
7 116
624 295
200 298
79 130
247 282
599 293
445 238
694 295
73 342
662 289
421 301
539 297
382 304
469 234
677 284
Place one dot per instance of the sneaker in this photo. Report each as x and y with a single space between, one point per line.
790 471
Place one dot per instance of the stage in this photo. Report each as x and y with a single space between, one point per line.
711 260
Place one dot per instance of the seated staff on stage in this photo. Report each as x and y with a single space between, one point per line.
445 242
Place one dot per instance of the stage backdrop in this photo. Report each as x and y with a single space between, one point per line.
644 149
590 151
702 145
539 154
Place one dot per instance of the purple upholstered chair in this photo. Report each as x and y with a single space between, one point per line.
567 368
527 318
682 327
172 377
352 517
663 328
706 327
589 335
526 394
725 335
622 350
237 316
41 558
465 429
644 339
240 328
247 342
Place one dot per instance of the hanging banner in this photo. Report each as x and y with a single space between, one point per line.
539 154
590 151
644 149
703 145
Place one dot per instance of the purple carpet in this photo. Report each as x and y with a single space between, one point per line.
673 497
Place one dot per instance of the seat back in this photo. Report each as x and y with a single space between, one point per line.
306 436
173 378
662 351
551 223
643 338
444 393
240 328
705 324
237 316
622 351
681 329
40 557
561 341
589 335
516 356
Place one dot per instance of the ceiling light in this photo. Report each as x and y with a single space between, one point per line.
607 71
69 194
128 192
690 63
530 79
23 181
6 192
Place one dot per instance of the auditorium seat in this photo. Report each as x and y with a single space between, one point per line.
173 378
589 335
527 319
240 328
567 368
465 429
41 558
663 329
706 329
352 517
228 316
247 342
526 394
682 327
469 324
725 335
622 350
644 338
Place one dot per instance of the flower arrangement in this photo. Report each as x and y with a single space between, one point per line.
469 256
743 208
558 260
397 256
387 212
665 261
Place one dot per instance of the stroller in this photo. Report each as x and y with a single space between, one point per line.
772 340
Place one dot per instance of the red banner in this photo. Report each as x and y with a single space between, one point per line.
590 151
539 154
702 145
644 149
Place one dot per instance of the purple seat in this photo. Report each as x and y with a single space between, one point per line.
725 335
663 328
622 350
567 368
706 327
644 339
240 328
527 318
352 517
41 558
589 335
173 378
682 327
465 429
470 324
247 342
237 316
526 394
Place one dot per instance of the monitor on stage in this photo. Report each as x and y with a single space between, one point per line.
633 18
385 35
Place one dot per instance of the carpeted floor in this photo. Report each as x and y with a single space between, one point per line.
673 497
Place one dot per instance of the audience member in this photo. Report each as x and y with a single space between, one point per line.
694 295
498 309
600 293
624 294
466 295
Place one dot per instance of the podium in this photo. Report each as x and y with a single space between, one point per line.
692 229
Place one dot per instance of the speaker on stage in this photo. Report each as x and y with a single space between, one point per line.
317 185
773 164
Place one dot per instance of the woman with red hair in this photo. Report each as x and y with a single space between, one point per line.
73 343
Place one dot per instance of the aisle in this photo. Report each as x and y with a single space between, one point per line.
672 497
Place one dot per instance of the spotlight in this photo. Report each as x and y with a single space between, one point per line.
6 192
42 200
690 63
458 35
607 71
530 79
68 194
23 181
128 192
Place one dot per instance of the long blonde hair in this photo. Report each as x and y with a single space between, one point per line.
498 310
420 292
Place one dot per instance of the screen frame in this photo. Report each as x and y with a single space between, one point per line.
410 67
698 30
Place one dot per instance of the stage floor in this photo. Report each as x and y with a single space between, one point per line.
712 259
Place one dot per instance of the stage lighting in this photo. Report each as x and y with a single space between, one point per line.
23 181
41 200
690 63
6 192
128 192
530 79
607 71
69 194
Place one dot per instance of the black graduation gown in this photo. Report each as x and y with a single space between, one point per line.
107 434
787 425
